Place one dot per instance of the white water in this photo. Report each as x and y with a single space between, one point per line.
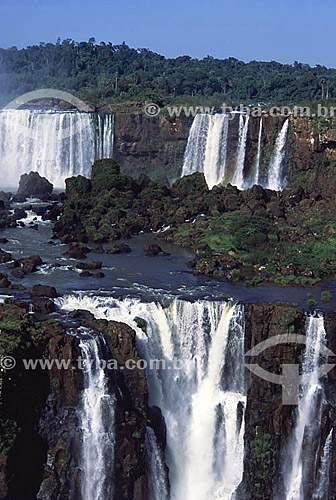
97 425
208 150
195 152
55 144
322 488
238 178
276 179
257 163
157 477
216 149
308 424
203 400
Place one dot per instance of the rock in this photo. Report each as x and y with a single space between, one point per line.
19 213
4 282
44 306
29 264
32 185
18 273
43 291
34 226
99 275
85 274
120 248
5 198
77 251
13 265
3 240
19 288
5 257
153 249
99 249
276 208
91 265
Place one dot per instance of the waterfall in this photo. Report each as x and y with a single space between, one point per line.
158 484
276 177
208 151
97 424
257 163
216 149
56 144
105 136
195 152
238 178
200 389
322 488
303 447
207 148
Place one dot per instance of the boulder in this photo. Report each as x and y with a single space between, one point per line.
43 291
44 306
77 251
153 249
4 257
19 213
32 185
85 274
18 273
120 248
90 266
3 240
29 264
99 276
4 282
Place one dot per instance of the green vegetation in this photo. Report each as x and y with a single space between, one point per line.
325 297
114 73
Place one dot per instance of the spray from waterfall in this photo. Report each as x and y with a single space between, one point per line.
303 446
203 401
56 144
276 176
96 417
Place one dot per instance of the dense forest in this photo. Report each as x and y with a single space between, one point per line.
112 73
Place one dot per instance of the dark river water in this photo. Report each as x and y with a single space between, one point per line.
136 274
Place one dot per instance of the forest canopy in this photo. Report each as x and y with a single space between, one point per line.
109 73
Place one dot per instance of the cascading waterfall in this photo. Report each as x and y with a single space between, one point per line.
195 152
322 488
308 425
97 424
258 159
200 389
216 149
158 484
238 178
276 178
56 144
209 151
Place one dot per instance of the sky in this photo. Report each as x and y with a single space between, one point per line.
281 30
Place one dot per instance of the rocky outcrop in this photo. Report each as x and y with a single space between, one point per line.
32 185
152 146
